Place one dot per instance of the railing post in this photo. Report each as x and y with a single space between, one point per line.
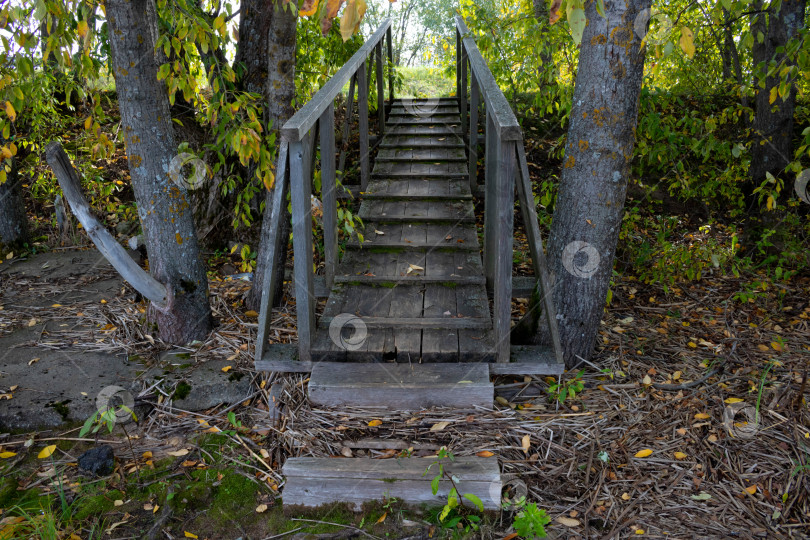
463 95
380 95
301 194
390 42
474 103
362 105
504 220
458 63
490 227
344 146
329 193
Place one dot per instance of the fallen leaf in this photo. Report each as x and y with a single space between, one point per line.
179 453
712 438
702 497
12 388
6 455
439 426
646 381
414 268
118 502
732 400
262 508
46 452
382 517
567 521
251 313
751 490
701 416
647 452
226 369
375 423
189 535
484 453
147 455
680 455
526 443
625 496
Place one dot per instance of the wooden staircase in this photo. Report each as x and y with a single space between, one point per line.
415 283
418 313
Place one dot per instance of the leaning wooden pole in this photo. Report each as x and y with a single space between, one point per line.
136 276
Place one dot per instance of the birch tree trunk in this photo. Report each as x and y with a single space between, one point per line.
163 208
275 62
590 202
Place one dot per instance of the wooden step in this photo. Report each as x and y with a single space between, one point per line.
432 129
404 169
417 211
422 236
423 154
401 386
312 482
422 141
438 263
417 120
414 188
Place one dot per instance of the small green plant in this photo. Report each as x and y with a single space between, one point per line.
530 521
562 390
455 515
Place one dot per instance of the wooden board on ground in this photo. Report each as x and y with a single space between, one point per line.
312 482
401 386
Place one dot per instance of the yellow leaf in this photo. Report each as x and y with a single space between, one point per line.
88 122
6 455
771 202
10 112
644 453
46 452
375 423
261 508
687 42
179 453
57 305
332 7
484 453
350 20
751 490
526 443
692 345
82 28
733 400
308 8
226 369
118 502
680 455
147 455
382 517
701 416
189 535
554 12
439 426
251 313
763 348
776 346
773 95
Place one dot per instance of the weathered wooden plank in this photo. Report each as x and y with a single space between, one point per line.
505 203
312 482
505 121
275 201
300 194
362 108
417 211
380 95
417 323
408 279
306 117
390 43
344 148
407 302
440 345
401 386
529 360
475 98
329 193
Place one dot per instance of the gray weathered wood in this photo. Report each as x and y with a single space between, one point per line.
505 121
362 107
144 283
344 147
529 360
419 323
307 116
275 201
380 95
462 97
402 386
390 43
300 194
312 482
473 148
505 201
329 194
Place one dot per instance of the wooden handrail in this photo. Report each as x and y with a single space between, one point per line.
506 122
302 121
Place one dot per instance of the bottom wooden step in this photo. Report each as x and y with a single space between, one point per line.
312 482
401 386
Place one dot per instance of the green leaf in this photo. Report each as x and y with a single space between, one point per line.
577 22
475 500
600 7
434 484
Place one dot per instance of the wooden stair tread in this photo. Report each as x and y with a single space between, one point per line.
312 482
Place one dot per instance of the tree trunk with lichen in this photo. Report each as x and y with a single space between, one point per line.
772 147
596 168
13 221
163 208
275 60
